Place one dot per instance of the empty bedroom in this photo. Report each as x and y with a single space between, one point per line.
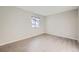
39 29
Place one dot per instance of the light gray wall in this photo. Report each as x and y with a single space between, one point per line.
15 24
63 24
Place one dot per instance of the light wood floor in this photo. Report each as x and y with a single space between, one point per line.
42 43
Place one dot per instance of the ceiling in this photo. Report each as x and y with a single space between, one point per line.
47 10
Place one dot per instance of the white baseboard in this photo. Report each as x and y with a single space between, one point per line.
5 43
61 36
30 37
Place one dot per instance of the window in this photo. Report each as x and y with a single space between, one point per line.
35 22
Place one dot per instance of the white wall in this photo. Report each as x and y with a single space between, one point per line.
15 24
78 26
63 24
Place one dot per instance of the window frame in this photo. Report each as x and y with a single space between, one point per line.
35 22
